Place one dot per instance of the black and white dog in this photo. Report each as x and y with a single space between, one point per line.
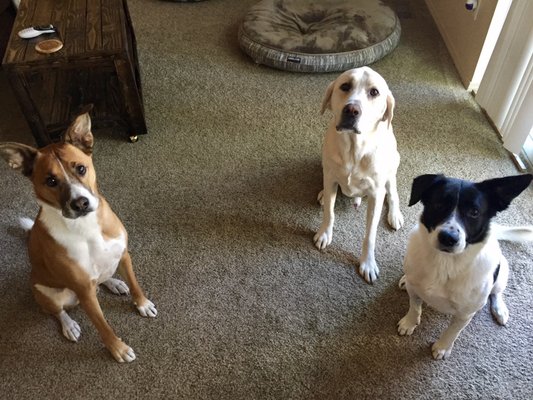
453 260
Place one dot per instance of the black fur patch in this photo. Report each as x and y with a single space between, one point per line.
496 273
474 203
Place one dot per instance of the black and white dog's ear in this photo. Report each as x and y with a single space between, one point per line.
501 191
420 186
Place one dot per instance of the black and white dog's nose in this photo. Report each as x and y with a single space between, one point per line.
448 238
80 204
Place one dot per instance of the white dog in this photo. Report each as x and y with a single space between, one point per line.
360 156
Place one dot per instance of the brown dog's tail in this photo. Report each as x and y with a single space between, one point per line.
26 223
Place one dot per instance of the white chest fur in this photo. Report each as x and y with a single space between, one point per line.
83 240
452 284
359 163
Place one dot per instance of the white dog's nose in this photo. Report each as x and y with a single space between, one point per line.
352 109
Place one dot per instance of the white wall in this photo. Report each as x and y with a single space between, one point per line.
464 33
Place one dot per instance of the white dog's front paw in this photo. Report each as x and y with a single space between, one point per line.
441 351
395 218
407 325
357 202
369 270
323 237
320 198
147 309
116 286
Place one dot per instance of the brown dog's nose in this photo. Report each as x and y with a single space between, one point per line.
352 110
80 204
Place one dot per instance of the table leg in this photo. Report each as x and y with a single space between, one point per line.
131 97
20 87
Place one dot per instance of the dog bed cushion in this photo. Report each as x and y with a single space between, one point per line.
319 35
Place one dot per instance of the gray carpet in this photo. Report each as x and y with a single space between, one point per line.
219 202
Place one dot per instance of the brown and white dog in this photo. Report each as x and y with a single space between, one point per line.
77 242
360 156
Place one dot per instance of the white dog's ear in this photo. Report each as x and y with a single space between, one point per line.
389 111
326 103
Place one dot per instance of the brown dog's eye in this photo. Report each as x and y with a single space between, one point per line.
345 87
81 170
374 92
51 181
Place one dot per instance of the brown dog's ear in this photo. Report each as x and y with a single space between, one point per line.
79 133
389 111
19 156
326 103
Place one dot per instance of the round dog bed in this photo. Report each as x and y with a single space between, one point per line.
319 35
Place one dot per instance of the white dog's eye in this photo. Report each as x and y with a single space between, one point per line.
374 92
345 87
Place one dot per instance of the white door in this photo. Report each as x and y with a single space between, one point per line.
506 90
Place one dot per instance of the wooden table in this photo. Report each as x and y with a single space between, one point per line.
97 65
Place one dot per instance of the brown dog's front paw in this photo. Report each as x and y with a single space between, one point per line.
147 309
121 351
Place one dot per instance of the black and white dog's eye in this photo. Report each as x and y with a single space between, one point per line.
473 213
374 92
51 181
345 87
438 206
81 170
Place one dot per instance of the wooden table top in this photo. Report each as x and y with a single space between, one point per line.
88 28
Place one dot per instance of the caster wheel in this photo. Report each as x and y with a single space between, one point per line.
134 139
